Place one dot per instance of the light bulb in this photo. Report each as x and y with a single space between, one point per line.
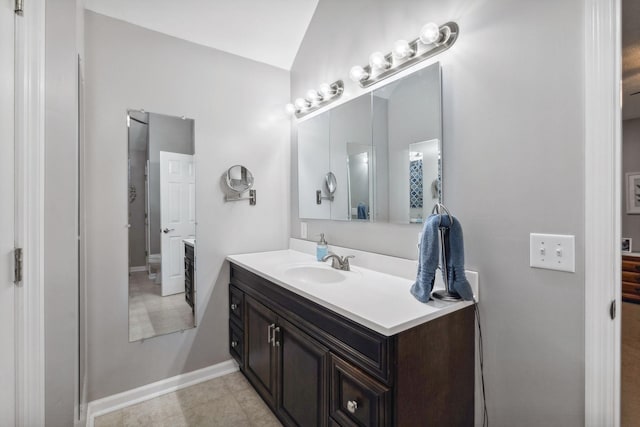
429 33
290 109
377 60
326 90
402 49
313 95
302 103
358 74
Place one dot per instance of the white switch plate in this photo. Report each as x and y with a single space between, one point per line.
303 230
553 252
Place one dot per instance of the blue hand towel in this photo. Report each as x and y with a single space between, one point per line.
454 249
362 211
428 259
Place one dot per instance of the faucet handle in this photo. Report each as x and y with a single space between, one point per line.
345 262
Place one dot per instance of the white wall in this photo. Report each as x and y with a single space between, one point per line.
630 163
236 104
513 164
61 214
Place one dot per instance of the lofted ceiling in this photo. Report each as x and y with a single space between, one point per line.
268 31
630 59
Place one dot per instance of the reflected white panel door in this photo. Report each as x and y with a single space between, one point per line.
7 301
177 216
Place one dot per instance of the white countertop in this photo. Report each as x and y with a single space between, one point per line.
191 242
379 301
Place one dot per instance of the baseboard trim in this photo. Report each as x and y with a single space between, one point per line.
150 391
137 269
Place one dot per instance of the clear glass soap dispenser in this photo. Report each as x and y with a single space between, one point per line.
321 249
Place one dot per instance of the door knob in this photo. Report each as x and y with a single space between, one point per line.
167 230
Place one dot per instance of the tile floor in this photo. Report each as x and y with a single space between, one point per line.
630 369
150 313
227 401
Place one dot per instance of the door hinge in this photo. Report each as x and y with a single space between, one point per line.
612 310
18 7
17 266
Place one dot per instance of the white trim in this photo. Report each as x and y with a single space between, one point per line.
137 269
602 211
29 98
150 391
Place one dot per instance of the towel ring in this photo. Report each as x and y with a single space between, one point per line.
438 208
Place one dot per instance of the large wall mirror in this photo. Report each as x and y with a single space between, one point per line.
385 150
162 224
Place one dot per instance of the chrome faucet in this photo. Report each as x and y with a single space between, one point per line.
338 262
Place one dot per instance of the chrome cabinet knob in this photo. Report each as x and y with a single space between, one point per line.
234 307
352 406
234 344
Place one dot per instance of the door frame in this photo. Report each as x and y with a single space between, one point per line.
602 175
29 216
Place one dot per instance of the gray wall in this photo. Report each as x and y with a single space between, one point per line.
630 163
237 106
513 164
61 219
166 133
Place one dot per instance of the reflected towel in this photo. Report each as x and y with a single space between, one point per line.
362 211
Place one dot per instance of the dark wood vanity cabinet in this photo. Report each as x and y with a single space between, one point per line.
314 367
189 268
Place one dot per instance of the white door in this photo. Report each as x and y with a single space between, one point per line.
7 304
177 216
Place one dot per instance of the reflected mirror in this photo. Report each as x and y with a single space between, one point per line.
239 179
162 225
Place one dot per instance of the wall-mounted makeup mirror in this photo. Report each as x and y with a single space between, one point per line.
384 149
162 226
239 179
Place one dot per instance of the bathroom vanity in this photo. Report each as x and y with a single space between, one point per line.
321 352
189 272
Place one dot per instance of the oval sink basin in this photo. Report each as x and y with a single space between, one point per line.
310 274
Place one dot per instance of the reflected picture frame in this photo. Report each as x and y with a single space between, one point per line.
633 192
626 245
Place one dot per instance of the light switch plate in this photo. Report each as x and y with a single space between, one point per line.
303 230
552 252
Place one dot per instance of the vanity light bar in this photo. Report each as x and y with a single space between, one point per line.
431 41
316 99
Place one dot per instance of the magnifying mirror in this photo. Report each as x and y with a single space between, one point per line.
330 183
239 179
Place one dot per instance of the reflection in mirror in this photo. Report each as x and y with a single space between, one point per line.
313 164
161 224
359 184
424 178
407 139
330 183
239 179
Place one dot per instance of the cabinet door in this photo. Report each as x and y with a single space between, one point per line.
302 377
260 354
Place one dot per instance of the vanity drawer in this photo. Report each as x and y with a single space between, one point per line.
236 342
356 399
631 264
630 277
236 305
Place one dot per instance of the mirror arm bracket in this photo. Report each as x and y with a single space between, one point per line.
320 197
251 198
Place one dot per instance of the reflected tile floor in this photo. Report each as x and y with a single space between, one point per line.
150 313
225 401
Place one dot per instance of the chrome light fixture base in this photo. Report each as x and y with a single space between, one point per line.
448 36
335 92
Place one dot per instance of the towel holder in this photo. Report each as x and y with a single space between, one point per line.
446 294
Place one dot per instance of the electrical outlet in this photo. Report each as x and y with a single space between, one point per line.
552 252
303 230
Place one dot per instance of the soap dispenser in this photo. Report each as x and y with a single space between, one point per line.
321 248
